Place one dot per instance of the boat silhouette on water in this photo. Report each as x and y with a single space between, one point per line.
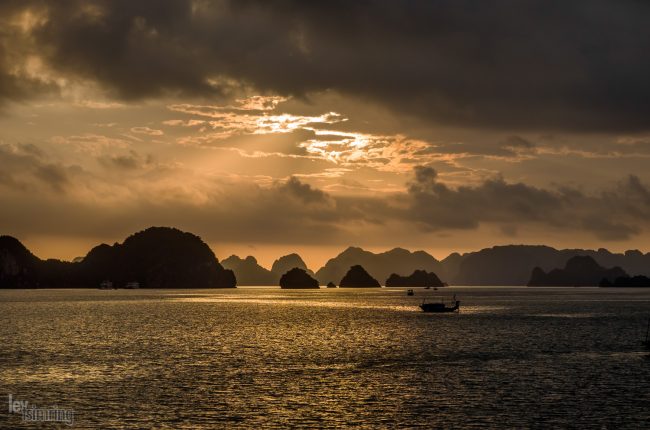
441 306
107 285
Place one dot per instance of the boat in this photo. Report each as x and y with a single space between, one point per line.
410 293
106 285
133 285
441 306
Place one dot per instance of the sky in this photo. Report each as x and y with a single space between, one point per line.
269 127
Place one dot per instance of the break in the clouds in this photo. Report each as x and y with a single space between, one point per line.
446 124
291 211
517 64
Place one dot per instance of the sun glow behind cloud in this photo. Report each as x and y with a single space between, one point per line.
345 180
329 142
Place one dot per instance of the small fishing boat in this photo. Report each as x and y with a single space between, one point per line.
441 306
106 285
409 292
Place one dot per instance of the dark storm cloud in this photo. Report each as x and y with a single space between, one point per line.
615 215
54 175
15 83
518 143
438 206
539 64
304 192
608 230
26 167
129 161
240 213
635 188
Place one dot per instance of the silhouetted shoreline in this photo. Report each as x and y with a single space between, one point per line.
158 257
162 257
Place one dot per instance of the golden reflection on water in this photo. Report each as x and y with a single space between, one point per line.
298 302
64 373
271 358
411 306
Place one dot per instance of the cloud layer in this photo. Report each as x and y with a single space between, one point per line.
611 215
523 65
134 191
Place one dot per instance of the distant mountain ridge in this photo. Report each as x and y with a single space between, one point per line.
499 265
579 271
513 264
287 262
248 272
507 265
379 266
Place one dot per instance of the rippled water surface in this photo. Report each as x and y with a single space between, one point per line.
262 357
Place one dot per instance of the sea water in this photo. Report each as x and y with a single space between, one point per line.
329 358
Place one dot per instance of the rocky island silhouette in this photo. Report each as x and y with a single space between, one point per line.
419 278
297 278
357 277
638 281
158 257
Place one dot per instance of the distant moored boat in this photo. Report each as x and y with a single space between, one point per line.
106 285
